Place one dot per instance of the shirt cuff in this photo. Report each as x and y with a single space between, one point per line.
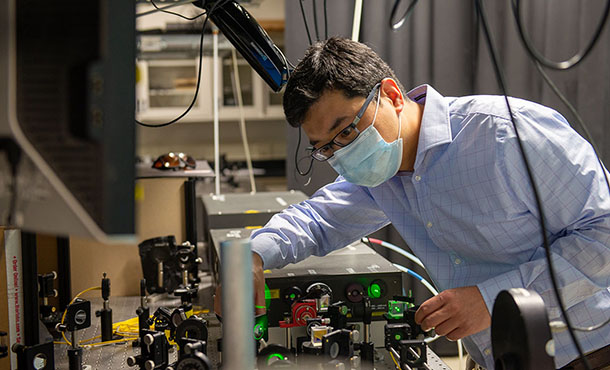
267 248
492 287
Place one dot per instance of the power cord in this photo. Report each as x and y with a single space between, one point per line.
305 21
176 14
13 156
405 16
325 21
315 20
501 83
212 9
566 64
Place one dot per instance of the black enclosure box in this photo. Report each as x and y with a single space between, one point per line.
354 268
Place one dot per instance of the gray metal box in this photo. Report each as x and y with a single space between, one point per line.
245 209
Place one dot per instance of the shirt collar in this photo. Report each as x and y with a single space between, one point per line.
435 127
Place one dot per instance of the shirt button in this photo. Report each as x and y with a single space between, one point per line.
487 352
429 224
457 261
417 178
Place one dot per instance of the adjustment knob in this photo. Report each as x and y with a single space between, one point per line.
148 339
131 361
149 365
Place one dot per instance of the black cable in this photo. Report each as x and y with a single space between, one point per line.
403 19
305 21
176 14
566 64
217 4
315 20
547 248
325 21
296 157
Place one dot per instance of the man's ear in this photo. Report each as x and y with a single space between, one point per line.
390 90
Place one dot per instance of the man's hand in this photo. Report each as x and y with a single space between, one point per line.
455 313
259 288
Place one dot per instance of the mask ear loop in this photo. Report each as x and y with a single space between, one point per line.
375 117
377 106
399 126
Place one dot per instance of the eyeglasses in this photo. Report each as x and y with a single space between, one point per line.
174 161
345 136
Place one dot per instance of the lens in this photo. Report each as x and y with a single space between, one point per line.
346 136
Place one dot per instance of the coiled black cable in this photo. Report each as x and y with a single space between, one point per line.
566 64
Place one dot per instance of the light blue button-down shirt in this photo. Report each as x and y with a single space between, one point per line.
468 212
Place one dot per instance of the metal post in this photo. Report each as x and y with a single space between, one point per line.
160 274
237 305
190 208
63 272
216 87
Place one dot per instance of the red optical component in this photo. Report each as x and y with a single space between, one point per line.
301 311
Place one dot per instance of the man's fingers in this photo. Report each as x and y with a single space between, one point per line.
428 307
435 319
259 292
259 300
449 325
456 334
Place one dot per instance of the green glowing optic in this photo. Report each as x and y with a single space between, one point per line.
344 310
397 336
374 291
293 296
259 331
275 355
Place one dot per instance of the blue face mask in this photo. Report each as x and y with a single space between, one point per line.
369 160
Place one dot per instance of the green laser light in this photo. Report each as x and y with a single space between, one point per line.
259 331
374 291
275 355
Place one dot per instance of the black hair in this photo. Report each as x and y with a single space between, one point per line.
334 64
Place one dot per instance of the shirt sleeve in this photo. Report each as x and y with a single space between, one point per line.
335 216
575 200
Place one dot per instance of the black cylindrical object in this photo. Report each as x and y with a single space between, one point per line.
143 315
367 354
106 317
75 358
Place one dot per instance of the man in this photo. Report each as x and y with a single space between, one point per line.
449 175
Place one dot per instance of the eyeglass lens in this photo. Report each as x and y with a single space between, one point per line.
345 136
